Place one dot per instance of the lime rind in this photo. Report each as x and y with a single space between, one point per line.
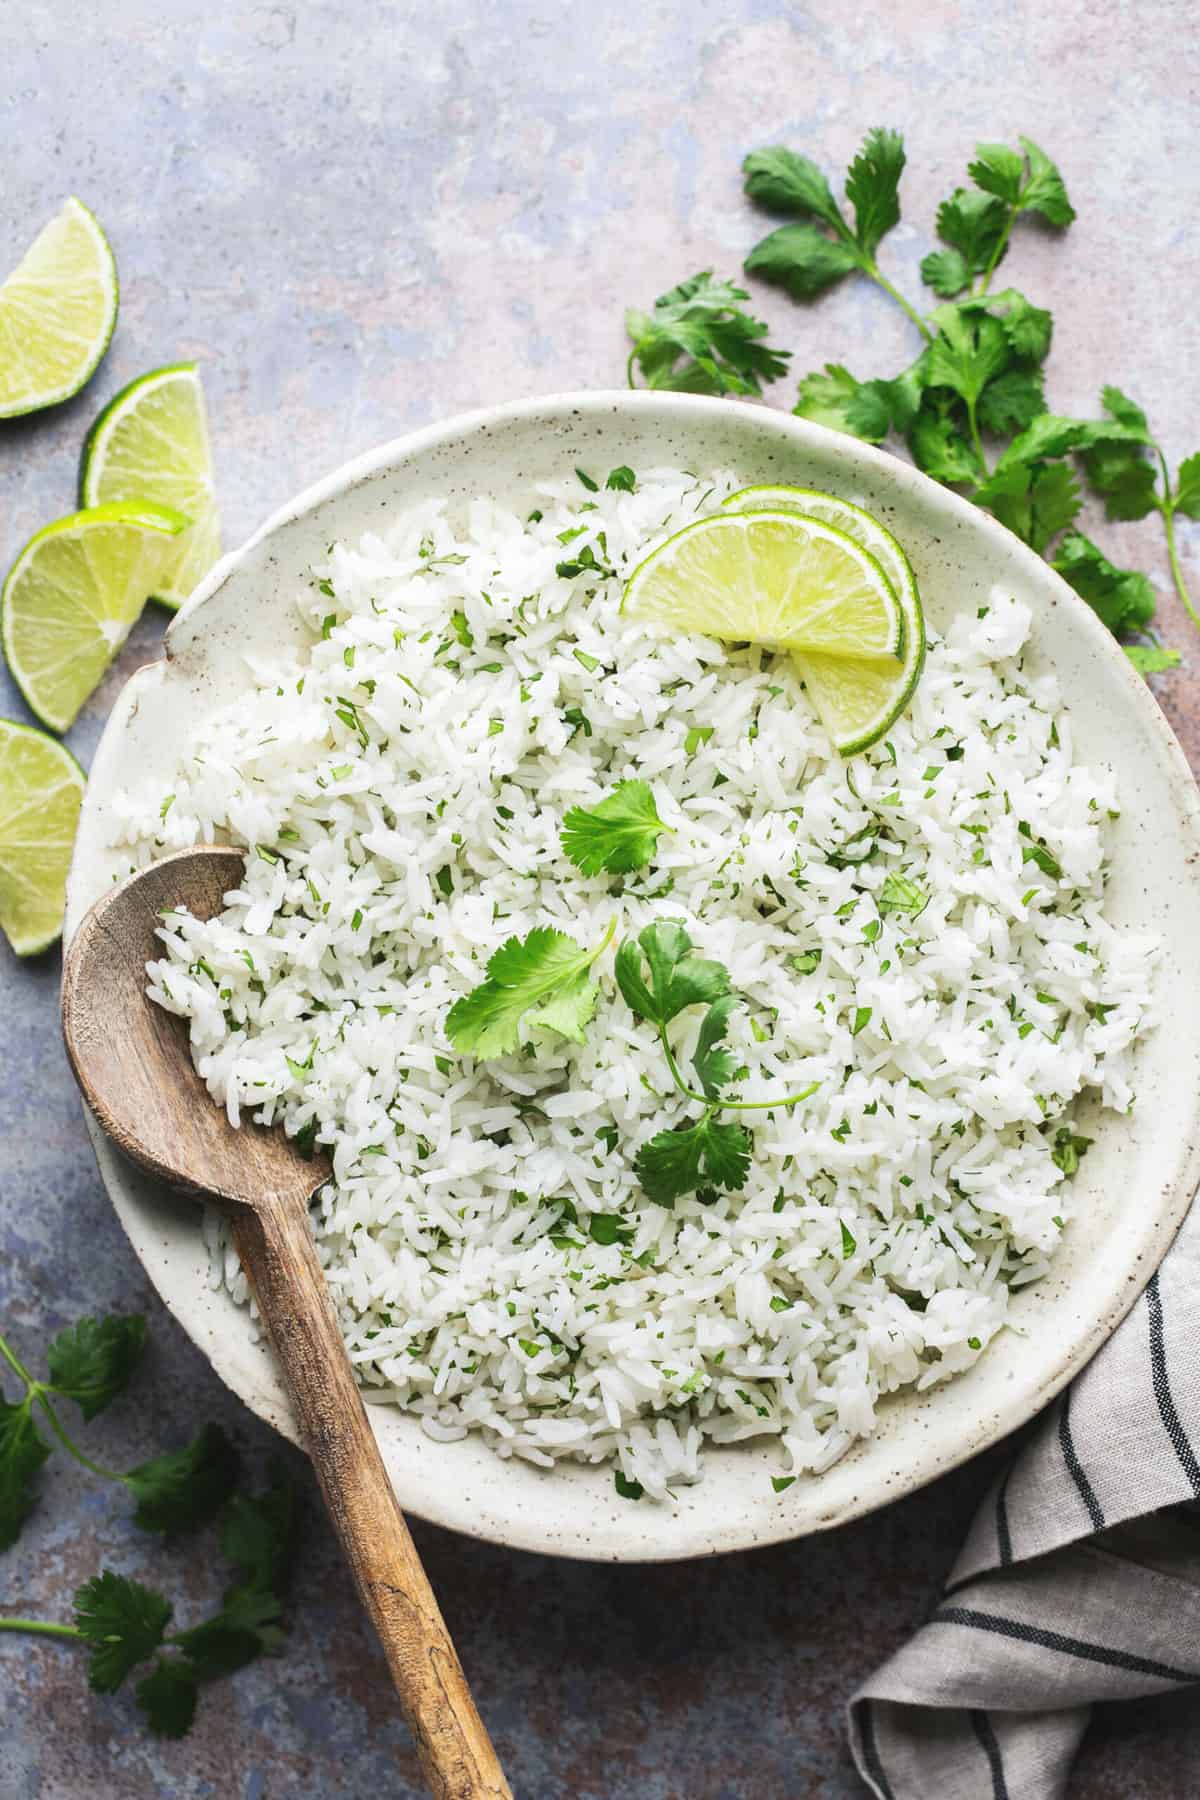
73 595
712 577
143 445
39 312
41 788
878 541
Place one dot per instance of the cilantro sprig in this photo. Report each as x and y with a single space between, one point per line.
618 834
124 1623
660 977
699 340
541 979
971 406
91 1363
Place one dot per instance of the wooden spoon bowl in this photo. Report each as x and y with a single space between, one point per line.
134 1067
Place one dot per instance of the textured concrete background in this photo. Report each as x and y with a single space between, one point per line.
360 217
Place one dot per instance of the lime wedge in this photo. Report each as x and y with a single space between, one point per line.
41 786
57 312
72 596
857 710
772 578
151 443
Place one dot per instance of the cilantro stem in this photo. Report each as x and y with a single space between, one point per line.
976 440
997 253
39 1394
880 279
717 1105
17 1367
629 364
1166 507
43 1626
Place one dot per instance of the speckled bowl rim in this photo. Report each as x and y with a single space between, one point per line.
505 1501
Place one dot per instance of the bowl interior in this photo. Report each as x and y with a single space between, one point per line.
1132 1189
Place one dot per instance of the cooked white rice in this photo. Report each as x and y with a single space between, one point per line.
404 780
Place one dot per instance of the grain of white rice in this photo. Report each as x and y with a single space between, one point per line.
403 782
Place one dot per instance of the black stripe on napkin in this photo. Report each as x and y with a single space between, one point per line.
1095 1511
1003 1535
1056 1640
981 1725
1162 1387
871 1751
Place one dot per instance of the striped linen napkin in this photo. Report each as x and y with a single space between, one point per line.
1079 1580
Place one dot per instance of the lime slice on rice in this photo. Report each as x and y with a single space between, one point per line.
151 443
864 710
782 579
57 312
41 786
73 595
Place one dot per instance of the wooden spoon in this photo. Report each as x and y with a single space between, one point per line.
132 1062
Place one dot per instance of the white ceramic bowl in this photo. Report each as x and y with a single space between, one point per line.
1134 1186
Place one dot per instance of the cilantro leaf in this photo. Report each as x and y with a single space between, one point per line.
257 1532
939 448
834 398
998 170
184 1488
1012 400
699 340
621 480
901 894
1044 190
1187 487
946 272
1028 183
873 186
22 1453
1152 659
1125 476
677 978
227 1642
1028 328
542 977
628 1490
1068 1148
802 260
167 1696
707 1154
619 834
967 351
1122 408
123 1621
1123 598
1035 500
974 224
714 1066
781 181
91 1361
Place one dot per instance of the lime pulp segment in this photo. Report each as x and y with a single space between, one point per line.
73 595
151 442
857 703
41 787
57 313
773 578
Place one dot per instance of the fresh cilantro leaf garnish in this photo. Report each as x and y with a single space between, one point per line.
660 977
680 1161
1152 659
183 1489
619 834
975 226
900 894
1124 598
168 1696
1068 1148
91 1361
22 1453
621 480
123 1621
541 979
628 1490
699 340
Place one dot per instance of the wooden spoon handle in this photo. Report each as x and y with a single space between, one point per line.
280 1260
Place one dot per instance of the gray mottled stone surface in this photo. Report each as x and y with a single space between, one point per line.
361 217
